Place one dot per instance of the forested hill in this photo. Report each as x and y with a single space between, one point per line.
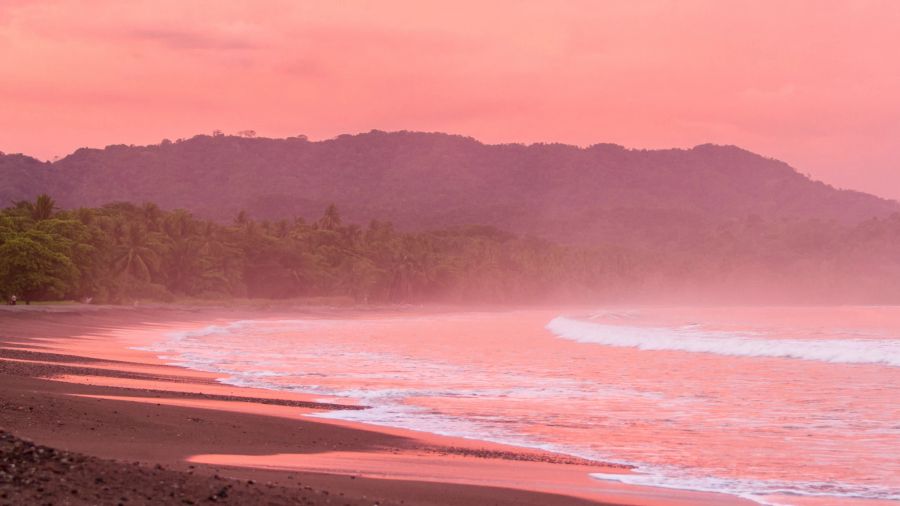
603 193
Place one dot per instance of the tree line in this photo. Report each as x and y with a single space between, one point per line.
122 252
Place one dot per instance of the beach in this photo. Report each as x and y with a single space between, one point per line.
143 432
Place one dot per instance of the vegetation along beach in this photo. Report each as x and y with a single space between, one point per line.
494 253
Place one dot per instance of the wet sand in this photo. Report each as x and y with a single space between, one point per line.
141 432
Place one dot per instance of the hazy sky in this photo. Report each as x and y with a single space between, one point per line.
815 83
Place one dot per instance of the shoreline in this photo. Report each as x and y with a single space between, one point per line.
131 406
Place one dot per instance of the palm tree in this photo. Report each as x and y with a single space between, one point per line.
280 229
43 207
331 219
178 225
151 214
241 219
222 258
181 259
135 254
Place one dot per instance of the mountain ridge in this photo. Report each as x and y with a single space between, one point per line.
418 180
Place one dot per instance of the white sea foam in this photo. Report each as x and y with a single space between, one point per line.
692 339
760 491
209 330
246 354
386 408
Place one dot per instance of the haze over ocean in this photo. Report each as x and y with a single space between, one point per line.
504 252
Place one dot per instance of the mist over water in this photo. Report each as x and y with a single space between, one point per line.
765 403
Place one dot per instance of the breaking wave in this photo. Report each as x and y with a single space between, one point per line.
691 339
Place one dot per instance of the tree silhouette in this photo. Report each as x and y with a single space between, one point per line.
136 253
331 220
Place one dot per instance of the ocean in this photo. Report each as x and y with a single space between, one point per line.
783 406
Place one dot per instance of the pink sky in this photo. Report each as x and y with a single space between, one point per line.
814 83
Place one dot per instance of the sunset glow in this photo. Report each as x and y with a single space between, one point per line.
812 83
504 252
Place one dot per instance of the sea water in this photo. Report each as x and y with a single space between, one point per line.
778 405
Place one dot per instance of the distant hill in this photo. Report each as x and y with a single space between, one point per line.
603 193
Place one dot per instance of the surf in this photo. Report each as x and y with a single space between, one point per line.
694 340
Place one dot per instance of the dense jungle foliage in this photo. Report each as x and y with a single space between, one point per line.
123 252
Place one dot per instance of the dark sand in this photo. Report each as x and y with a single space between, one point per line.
92 450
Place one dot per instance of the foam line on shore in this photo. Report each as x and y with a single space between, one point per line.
693 340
